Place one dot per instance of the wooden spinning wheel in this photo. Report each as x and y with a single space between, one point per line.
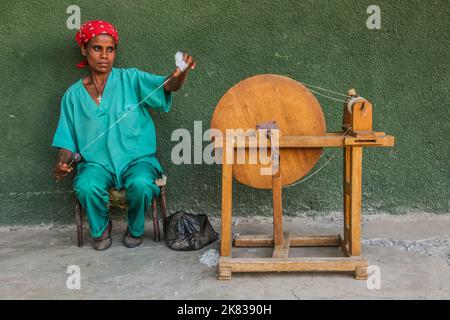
277 98
277 104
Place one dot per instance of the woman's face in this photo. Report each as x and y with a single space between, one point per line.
100 53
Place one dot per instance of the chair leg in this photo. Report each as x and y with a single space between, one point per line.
155 221
79 221
163 206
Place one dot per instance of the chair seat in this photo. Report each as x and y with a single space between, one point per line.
117 198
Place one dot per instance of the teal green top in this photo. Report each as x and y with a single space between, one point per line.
133 139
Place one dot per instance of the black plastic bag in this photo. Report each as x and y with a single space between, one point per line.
187 231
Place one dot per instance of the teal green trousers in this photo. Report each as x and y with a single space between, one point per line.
92 184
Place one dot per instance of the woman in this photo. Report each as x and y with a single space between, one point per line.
124 156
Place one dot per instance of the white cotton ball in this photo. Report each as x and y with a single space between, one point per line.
179 61
178 56
182 65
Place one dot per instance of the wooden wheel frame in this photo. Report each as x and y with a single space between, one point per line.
268 98
295 110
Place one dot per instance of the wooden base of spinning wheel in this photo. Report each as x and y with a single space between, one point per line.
280 261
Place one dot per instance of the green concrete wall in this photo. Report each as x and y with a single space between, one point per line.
402 68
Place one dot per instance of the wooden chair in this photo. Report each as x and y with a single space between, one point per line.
117 199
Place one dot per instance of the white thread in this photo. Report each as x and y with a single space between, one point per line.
320 168
310 85
179 62
182 66
123 116
324 95
352 101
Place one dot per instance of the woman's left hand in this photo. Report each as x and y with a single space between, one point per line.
191 65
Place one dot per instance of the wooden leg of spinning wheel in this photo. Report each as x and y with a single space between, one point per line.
224 273
225 237
355 201
361 273
277 211
347 195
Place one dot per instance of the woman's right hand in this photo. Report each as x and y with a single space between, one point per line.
61 170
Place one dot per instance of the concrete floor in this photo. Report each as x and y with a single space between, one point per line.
412 252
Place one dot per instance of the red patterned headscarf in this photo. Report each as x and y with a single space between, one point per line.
93 28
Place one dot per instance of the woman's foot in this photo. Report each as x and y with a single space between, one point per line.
104 241
131 242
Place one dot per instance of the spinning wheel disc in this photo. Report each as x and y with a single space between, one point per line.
264 98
